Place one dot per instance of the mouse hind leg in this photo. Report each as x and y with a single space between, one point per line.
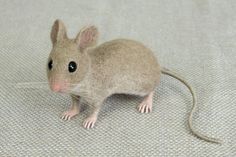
146 105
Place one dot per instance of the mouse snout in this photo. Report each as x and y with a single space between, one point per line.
58 86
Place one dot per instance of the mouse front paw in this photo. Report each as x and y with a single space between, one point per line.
89 122
69 114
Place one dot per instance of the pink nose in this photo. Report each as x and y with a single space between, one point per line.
56 87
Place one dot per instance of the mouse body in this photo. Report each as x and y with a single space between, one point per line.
94 72
120 66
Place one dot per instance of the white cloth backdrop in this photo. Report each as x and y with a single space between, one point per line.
196 38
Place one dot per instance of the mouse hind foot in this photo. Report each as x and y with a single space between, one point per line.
90 122
146 105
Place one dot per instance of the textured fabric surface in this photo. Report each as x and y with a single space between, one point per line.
196 38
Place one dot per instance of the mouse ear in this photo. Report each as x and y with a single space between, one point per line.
58 31
87 37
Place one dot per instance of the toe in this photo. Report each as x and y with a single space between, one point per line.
146 109
92 125
143 108
67 117
85 124
140 108
63 117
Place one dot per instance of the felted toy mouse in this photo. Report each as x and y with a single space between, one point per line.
94 72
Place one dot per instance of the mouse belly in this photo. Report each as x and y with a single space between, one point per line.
140 85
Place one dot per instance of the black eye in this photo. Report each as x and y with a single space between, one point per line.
50 64
72 67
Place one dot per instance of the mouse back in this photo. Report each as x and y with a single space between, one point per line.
125 65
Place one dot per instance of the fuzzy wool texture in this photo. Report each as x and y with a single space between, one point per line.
195 38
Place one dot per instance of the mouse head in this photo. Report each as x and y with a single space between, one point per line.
68 61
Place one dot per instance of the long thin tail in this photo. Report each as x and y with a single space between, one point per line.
190 119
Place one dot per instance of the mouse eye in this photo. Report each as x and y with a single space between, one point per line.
50 64
72 67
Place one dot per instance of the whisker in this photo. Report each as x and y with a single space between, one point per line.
33 85
45 85
26 83
38 85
